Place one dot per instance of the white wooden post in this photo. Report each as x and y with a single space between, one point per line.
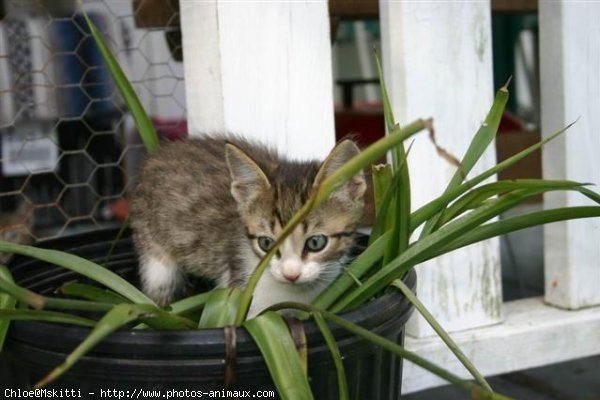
262 70
437 61
569 62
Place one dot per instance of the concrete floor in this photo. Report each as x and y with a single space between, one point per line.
523 276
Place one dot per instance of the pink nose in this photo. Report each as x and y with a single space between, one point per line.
292 277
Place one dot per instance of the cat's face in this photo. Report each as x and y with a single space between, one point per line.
312 252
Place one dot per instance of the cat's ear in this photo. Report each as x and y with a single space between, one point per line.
248 181
343 152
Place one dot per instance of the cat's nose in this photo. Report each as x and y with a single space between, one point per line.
291 270
292 276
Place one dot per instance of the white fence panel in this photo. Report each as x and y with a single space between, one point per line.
569 65
262 69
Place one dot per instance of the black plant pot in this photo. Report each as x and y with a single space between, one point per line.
131 360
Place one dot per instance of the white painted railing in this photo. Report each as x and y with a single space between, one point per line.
264 69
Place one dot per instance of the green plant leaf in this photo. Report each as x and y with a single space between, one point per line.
142 121
272 337
441 333
81 266
395 224
44 316
186 308
385 212
403 204
590 194
382 181
432 208
335 355
220 308
401 229
38 302
164 320
117 317
189 304
90 292
518 222
476 197
322 192
482 139
25 296
7 303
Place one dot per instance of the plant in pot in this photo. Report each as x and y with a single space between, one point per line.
103 333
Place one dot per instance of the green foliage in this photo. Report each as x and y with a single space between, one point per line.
400 187
89 292
82 266
273 338
220 308
44 316
7 303
335 355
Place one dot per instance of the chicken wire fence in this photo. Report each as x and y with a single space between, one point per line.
69 149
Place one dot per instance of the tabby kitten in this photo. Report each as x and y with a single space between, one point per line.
212 207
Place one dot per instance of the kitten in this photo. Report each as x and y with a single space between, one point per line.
16 227
212 207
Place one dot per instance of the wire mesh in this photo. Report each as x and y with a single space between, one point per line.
69 149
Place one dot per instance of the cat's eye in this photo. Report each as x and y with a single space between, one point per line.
316 243
265 243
